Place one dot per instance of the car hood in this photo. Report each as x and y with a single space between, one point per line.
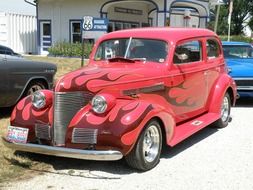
241 67
115 77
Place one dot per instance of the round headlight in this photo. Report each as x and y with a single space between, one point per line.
99 104
38 99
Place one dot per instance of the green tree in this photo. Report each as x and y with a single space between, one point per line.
241 17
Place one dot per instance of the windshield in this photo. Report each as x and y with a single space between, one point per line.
234 52
133 48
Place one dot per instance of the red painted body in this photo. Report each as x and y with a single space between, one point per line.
138 91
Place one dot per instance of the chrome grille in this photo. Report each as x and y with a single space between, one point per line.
43 131
66 106
244 84
84 135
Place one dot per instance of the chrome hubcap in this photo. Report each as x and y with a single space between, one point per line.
225 109
151 143
34 88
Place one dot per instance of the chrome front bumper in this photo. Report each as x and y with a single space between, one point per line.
107 155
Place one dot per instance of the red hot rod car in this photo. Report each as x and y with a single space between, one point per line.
141 87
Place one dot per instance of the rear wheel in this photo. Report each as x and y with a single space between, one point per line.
146 153
225 112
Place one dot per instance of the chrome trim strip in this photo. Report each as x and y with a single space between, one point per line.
244 87
108 155
243 78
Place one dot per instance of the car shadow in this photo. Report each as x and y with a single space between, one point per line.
244 102
169 152
65 166
5 112
112 168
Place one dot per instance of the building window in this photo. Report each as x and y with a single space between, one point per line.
120 25
75 31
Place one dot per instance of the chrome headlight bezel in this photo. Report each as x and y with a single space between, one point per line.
99 104
39 99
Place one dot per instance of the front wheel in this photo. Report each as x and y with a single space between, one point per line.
146 153
225 112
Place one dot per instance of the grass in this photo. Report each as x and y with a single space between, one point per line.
16 166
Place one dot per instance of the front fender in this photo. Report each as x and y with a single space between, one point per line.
26 116
121 126
221 87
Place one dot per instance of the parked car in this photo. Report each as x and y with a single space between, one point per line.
20 77
141 88
239 58
7 52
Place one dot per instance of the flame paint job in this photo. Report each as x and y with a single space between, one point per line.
142 91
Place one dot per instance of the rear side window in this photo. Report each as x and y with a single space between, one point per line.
188 52
213 48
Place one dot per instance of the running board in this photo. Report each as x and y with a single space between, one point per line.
187 129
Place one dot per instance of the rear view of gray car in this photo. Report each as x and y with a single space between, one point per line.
20 77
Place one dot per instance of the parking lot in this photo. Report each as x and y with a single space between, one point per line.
212 159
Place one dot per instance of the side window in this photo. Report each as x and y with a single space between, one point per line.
213 48
2 50
9 52
188 52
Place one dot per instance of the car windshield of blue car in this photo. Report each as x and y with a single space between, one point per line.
237 51
133 49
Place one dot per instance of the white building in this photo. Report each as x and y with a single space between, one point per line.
18 32
60 20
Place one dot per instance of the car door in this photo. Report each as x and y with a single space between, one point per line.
188 95
215 62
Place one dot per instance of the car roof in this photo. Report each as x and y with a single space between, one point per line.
163 33
1 46
235 43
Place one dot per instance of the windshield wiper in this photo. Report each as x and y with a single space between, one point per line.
127 60
121 59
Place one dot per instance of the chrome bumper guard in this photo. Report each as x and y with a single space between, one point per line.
106 155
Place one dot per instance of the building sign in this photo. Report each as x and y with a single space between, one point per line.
94 24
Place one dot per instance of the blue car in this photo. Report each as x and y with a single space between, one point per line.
239 58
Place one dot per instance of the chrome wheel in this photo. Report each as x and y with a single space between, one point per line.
225 109
151 143
146 153
224 112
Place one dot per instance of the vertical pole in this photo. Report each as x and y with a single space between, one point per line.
82 62
217 18
229 18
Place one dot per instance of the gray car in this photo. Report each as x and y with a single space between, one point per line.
20 77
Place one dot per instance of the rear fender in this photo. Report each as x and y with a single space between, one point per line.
222 85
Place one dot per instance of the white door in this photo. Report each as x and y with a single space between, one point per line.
45 36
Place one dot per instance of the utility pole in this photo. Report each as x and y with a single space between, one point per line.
217 14
229 17
217 18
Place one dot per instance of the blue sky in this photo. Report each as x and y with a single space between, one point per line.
17 6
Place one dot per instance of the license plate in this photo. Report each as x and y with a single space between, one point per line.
17 134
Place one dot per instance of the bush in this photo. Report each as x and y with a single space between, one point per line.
66 49
237 38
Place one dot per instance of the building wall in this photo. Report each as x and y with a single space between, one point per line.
61 12
18 32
